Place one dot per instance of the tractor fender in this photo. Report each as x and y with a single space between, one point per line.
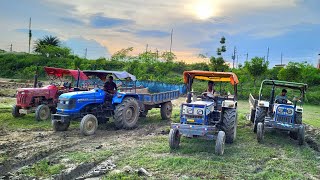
229 104
263 104
118 98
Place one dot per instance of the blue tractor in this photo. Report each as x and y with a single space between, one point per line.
271 112
213 117
97 106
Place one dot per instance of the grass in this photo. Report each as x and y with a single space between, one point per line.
43 168
86 157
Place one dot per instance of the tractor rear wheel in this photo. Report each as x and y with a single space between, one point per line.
260 132
174 138
252 115
229 124
166 110
88 125
127 113
259 117
220 141
60 126
43 112
301 133
15 111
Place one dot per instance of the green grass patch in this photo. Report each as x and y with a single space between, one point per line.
43 169
86 157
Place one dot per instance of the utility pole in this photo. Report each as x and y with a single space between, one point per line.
171 40
268 54
237 61
247 55
85 53
234 56
11 48
147 48
30 34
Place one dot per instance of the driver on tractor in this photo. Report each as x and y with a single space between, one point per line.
282 98
110 87
210 91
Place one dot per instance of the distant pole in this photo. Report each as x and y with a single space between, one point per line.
157 53
247 56
237 61
268 54
147 48
85 53
11 48
234 56
171 40
30 34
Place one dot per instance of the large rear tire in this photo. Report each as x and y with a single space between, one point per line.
220 141
252 115
127 113
229 124
301 133
260 132
43 112
259 117
88 125
174 139
166 110
15 111
59 126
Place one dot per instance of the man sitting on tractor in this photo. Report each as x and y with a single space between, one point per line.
282 98
210 91
110 87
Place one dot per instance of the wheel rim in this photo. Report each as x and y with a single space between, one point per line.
129 114
44 113
169 110
90 125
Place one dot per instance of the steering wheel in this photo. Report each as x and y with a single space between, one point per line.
205 96
281 101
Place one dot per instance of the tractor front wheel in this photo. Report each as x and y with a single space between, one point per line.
252 115
15 111
88 125
60 126
220 141
166 110
229 124
301 133
259 117
260 132
127 113
43 112
174 139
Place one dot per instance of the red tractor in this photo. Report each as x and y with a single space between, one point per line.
43 100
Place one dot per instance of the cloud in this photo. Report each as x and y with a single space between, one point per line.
152 33
94 49
100 21
72 21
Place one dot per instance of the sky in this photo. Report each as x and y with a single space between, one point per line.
287 27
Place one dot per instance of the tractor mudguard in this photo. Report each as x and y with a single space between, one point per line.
118 98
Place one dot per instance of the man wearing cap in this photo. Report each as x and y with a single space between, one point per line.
282 98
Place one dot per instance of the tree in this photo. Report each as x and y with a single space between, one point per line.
46 41
168 56
256 67
218 64
54 51
121 54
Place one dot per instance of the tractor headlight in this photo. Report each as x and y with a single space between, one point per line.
290 111
280 110
189 111
67 102
200 112
23 92
61 101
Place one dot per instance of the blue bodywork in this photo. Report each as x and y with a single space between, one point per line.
283 118
194 120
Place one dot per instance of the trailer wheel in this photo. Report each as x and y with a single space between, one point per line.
229 124
144 113
60 126
259 117
301 133
127 113
260 132
174 139
88 125
220 141
15 111
43 112
166 110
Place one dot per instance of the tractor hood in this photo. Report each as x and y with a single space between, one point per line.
83 94
36 89
201 103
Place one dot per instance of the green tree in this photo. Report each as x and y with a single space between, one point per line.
53 51
46 41
218 64
122 54
168 56
256 68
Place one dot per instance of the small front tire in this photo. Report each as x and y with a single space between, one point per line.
260 132
220 141
174 139
15 111
43 112
88 125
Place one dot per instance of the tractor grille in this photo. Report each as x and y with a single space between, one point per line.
21 98
193 116
284 119
62 104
